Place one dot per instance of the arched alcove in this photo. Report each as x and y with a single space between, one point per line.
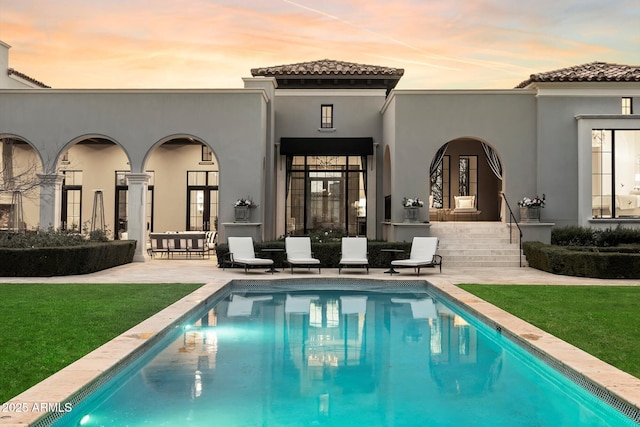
466 166
183 186
89 163
21 163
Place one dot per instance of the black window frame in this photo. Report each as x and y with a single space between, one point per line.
326 116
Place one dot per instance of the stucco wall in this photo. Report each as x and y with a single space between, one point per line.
425 120
557 175
231 122
356 113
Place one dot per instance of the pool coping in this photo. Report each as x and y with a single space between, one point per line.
47 398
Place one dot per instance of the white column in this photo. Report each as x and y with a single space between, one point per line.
50 200
137 207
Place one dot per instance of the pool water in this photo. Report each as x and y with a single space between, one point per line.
342 355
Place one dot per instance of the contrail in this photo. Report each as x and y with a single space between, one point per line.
491 65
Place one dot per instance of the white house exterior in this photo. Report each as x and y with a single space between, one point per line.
319 146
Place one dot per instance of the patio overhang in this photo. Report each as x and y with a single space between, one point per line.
326 146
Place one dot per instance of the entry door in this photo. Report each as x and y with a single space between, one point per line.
326 203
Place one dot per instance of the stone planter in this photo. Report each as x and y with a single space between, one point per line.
242 214
412 214
530 214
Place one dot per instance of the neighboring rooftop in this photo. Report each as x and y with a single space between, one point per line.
592 72
31 80
327 73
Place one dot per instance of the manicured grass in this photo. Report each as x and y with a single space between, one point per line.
45 327
602 321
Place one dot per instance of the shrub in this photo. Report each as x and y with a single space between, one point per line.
584 262
50 238
586 236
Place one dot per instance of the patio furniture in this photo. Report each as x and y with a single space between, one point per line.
241 252
423 254
299 253
183 243
354 253
465 205
271 253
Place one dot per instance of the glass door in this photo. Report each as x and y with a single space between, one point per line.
202 201
326 199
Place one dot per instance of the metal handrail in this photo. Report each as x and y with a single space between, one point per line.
515 221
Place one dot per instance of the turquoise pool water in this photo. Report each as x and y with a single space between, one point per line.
331 354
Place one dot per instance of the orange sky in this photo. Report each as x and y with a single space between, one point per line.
441 44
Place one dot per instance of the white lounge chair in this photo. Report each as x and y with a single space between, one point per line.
299 252
241 252
423 254
354 253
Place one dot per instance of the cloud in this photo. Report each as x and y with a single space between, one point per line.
202 43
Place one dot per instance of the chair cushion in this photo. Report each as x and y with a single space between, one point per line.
465 202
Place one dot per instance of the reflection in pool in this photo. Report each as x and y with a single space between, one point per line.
339 355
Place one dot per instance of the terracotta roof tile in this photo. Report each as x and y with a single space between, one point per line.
327 67
11 71
592 72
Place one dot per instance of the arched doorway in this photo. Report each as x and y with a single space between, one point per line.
87 164
185 174
465 167
19 169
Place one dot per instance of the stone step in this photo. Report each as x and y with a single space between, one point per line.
478 252
477 244
495 241
485 263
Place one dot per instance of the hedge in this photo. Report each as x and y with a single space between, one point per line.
65 260
601 263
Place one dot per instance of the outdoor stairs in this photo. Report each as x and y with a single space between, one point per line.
476 244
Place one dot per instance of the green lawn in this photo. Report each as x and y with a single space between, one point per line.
602 321
45 327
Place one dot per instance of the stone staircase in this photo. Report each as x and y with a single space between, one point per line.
476 244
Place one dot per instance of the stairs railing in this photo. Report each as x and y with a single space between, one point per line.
512 217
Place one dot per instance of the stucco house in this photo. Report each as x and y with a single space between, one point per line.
323 145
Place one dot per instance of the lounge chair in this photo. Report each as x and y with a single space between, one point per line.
299 253
354 253
423 254
241 252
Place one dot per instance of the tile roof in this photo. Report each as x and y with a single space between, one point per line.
38 83
327 67
592 72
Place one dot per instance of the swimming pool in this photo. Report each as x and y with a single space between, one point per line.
327 353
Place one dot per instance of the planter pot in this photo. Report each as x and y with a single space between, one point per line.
242 214
530 214
412 214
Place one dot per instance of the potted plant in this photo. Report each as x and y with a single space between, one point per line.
530 208
411 206
242 209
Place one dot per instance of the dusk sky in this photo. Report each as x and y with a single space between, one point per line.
441 44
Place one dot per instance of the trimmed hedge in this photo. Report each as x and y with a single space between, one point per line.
327 252
601 263
65 260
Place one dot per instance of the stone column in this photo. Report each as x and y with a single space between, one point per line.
50 200
137 223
